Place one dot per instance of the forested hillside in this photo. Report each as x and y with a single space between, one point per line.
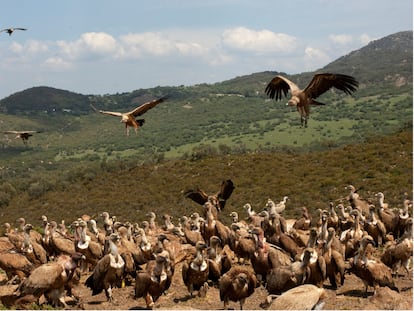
202 131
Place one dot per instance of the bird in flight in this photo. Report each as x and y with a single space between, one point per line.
24 135
279 86
11 30
129 117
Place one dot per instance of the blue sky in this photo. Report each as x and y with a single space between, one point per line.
110 46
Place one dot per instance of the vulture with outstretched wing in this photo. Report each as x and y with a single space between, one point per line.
218 199
279 86
24 135
129 117
12 29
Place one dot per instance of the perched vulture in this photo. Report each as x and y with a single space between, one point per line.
218 199
129 117
12 29
49 279
152 282
195 271
108 271
236 285
279 86
24 135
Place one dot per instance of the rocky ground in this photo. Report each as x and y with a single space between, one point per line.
350 296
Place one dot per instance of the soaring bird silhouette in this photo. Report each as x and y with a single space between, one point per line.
12 29
302 99
129 117
24 135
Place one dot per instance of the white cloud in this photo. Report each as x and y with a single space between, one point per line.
365 39
56 64
315 58
29 47
341 39
90 44
263 41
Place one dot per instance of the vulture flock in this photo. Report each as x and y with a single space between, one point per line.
293 259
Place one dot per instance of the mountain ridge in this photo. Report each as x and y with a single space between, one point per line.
385 61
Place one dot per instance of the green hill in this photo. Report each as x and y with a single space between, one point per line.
232 119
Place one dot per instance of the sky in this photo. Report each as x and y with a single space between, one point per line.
114 46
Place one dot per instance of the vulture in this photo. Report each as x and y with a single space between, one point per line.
16 265
129 117
195 271
12 29
49 279
303 297
218 199
24 135
371 271
108 271
236 285
279 86
152 282
398 253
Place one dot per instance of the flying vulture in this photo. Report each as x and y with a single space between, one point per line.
12 29
279 86
129 117
218 199
24 135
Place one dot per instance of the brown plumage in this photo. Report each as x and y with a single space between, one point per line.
129 117
304 222
34 251
93 251
49 279
357 202
24 135
16 265
334 260
371 271
218 259
195 271
282 278
375 227
152 282
265 256
236 285
398 253
303 297
109 270
280 86
218 199
60 243
387 216
191 236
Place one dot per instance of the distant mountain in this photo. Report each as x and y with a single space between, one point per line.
389 59
386 63
44 99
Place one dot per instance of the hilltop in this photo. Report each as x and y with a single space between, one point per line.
386 61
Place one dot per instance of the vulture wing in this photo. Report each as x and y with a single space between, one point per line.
321 83
225 192
20 132
226 189
111 113
279 86
45 277
142 283
146 106
198 196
